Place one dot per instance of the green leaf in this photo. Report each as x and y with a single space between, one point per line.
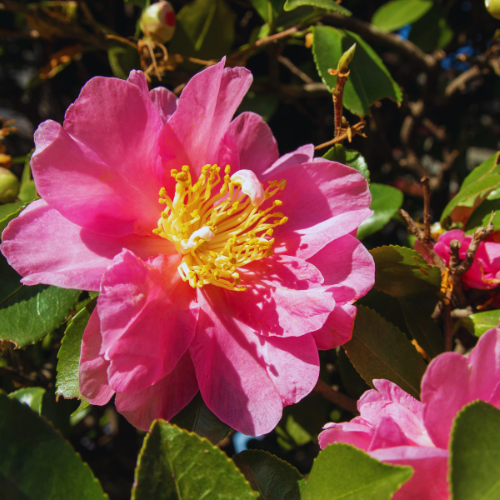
348 157
403 273
342 471
480 323
36 463
205 29
178 465
262 7
196 417
263 104
351 379
31 396
8 212
386 200
123 59
270 476
29 313
378 349
369 79
422 327
481 216
431 31
27 192
328 5
69 354
475 188
475 453
398 13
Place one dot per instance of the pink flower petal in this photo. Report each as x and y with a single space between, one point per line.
92 372
204 111
283 298
148 320
303 154
388 434
165 102
356 432
337 329
484 362
390 391
430 471
162 400
230 369
138 78
444 392
248 144
84 170
315 194
44 247
348 265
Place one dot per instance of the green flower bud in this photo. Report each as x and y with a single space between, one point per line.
158 22
493 7
9 186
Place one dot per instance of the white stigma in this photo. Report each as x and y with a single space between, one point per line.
250 185
204 233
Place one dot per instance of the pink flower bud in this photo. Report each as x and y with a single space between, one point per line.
158 22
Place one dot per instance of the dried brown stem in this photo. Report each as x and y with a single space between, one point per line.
427 211
354 130
296 71
22 378
345 402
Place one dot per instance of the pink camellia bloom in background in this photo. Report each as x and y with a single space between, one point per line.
224 280
485 270
396 428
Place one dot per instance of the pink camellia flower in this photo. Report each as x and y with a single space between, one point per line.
224 280
396 428
485 270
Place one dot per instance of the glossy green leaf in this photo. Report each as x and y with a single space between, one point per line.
36 463
123 59
328 5
351 379
262 7
31 396
386 200
69 354
475 453
369 79
264 105
270 476
27 193
479 323
29 313
8 212
348 157
482 215
178 465
378 349
398 13
342 471
205 29
196 417
403 273
431 31
475 188
422 327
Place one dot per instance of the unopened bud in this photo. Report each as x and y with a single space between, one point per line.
493 7
346 59
158 22
9 186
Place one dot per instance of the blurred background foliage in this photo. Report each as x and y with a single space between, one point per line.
425 79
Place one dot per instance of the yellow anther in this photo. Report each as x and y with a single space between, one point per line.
230 232
161 201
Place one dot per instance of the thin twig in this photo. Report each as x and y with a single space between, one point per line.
296 71
427 210
355 130
345 402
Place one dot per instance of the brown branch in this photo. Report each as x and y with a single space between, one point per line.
438 261
345 402
372 34
427 211
68 30
461 80
296 71
22 378
262 43
354 130
448 327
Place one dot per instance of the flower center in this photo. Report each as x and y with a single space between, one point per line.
218 232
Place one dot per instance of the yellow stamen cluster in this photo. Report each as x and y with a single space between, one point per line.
217 232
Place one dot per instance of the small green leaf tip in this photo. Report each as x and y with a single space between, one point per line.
346 59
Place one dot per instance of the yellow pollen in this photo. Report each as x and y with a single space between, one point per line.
217 230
